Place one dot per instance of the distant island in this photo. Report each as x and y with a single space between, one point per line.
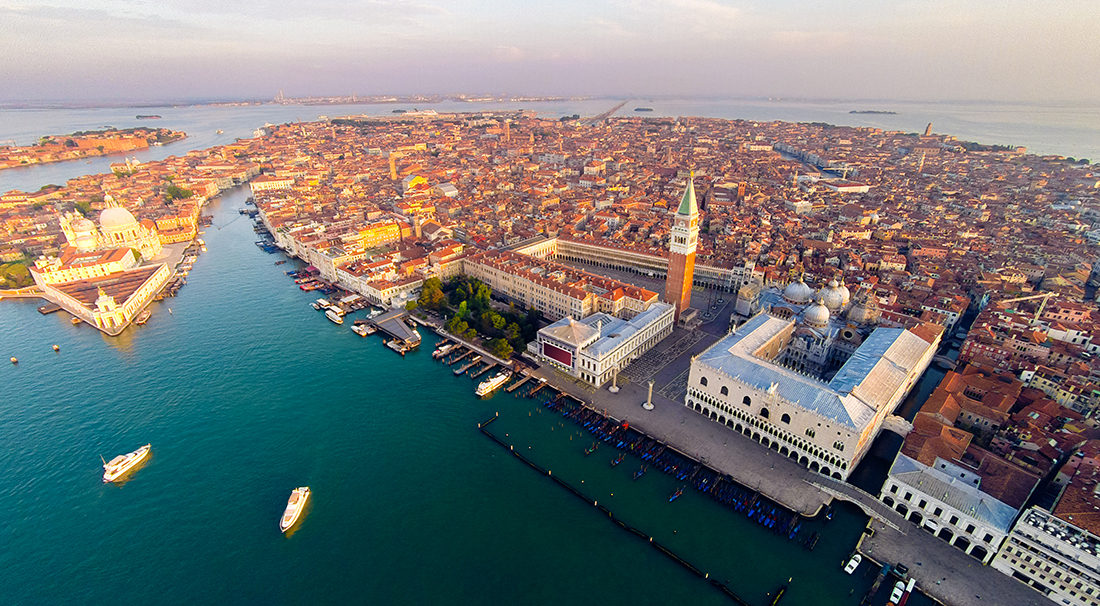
85 144
643 109
873 111
147 116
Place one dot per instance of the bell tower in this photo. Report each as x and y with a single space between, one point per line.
684 237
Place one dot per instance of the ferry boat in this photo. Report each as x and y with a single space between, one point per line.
333 316
294 507
116 467
490 385
363 329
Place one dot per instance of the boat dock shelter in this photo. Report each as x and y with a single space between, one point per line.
393 324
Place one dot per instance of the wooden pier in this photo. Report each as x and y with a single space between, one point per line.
467 353
472 363
516 385
483 370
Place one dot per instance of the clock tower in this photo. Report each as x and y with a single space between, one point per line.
682 244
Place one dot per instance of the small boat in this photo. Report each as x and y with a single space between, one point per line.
219 132
591 449
75 320
618 459
280 262
853 563
363 330
142 317
14 360
294 506
640 472
676 495
116 467
779 592
444 350
398 347
334 316
493 383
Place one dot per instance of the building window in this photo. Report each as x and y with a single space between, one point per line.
764 413
703 381
811 433
725 390
970 528
954 520
786 418
747 401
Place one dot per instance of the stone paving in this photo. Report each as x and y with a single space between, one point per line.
945 572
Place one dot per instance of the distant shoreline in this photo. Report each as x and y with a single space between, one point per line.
873 111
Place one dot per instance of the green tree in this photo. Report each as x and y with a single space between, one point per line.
411 305
174 192
499 348
462 311
470 334
512 332
498 320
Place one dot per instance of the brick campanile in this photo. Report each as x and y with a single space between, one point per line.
681 260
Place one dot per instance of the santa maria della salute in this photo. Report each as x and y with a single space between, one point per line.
117 229
106 276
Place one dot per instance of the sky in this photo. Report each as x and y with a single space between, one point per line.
927 50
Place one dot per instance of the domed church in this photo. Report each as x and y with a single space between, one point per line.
117 229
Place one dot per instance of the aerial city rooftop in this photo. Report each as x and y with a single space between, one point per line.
850 254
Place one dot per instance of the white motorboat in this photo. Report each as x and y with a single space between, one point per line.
335 317
118 466
294 507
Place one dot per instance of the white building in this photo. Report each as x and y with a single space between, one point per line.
826 426
595 348
947 500
1053 556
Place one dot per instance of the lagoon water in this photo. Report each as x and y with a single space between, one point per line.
245 392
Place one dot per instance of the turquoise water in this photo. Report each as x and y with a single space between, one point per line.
245 392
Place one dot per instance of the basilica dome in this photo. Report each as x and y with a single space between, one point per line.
816 315
116 219
798 292
833 296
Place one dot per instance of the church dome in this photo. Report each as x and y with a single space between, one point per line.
116 218
832 296
816 314
798 292
847 294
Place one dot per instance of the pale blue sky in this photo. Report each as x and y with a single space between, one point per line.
927 50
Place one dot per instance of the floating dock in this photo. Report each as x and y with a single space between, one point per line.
393 324
465 354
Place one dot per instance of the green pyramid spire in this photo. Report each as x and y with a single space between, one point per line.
688 206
